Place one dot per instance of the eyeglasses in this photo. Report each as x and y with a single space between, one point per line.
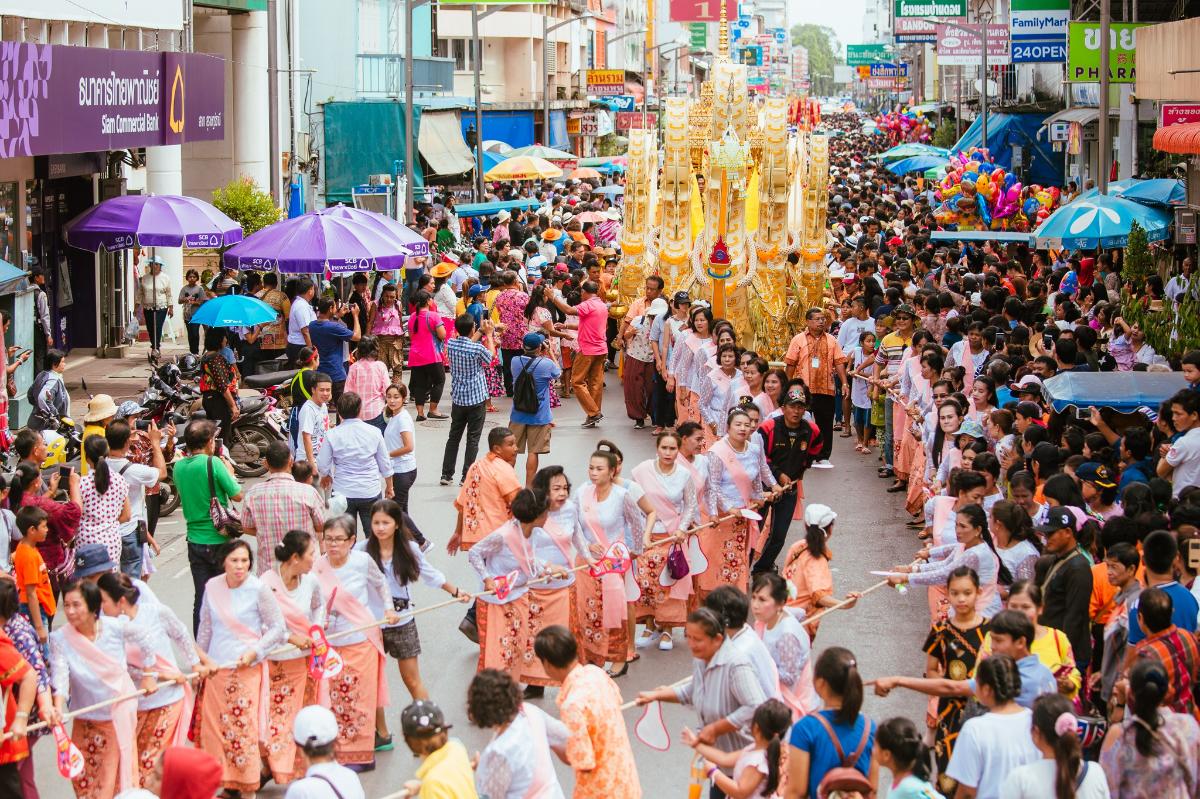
336 539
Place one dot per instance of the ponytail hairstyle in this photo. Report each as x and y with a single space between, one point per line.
604 445
977 517
999 672
96 450
1054 721
1016 520
295 542
773 719
1147 689
24 477
838 668
118 586
900 738
814 539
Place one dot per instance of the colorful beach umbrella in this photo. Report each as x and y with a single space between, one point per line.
584 173
523 167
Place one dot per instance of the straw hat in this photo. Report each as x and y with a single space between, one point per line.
100 407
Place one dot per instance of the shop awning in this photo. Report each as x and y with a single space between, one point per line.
1084 116
440 142
1183 139
12 278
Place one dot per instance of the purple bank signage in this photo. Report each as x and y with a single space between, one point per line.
56 99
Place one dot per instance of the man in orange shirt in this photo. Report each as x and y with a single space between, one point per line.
486 492
814 356
589 703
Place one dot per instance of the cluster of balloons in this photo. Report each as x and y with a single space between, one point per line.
903 126
976 194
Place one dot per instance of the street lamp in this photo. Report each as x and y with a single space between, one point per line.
985 17
607 42
546 29
656 50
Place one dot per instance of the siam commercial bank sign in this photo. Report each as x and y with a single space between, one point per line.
56 99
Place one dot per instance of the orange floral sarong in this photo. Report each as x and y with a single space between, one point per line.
546 607
155 731
229 725
97 742
291 690
353 697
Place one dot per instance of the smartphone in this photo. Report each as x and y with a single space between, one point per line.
1191 553
1084 414
1047 341
64 473
220 446
142 424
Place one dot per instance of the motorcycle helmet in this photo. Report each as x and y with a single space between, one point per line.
189 364
56 449
169 373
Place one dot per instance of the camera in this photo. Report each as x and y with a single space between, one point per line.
142 424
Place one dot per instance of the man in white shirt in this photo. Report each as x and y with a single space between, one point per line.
1181 461
139 478
354 459
300 317
315 730
732 606
1177 285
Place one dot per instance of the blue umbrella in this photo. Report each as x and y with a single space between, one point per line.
1100 221
234 310
613 190
917 163
1160 191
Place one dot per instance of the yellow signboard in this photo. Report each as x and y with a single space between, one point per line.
602 82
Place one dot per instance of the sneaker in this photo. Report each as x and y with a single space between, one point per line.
383 743
533 692
645 639
590 422
640 424
445 481
665 642
823 464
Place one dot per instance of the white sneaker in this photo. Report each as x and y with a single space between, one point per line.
822 464
645 638
666 643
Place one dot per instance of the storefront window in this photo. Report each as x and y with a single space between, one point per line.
8 223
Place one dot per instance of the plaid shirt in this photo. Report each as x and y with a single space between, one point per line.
275 506
1179 654
468 360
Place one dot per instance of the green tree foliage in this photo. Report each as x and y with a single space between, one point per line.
823 52
1171 330
248 205
946 134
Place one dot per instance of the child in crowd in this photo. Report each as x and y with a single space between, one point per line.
902 752
756 769
445 769
33 578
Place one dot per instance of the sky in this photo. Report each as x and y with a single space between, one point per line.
844 16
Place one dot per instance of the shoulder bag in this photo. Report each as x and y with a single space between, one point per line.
225 519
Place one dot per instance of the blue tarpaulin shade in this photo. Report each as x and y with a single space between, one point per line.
488 209
1002 236
916 163
1041 164
1124 392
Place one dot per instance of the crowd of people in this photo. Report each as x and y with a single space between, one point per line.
1059 552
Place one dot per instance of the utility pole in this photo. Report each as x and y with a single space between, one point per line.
476 57
274 167
1105 133
409 113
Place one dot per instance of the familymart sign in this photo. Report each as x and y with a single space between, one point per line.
931 8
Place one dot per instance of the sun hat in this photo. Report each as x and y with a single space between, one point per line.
443 269
657 308
100 407
970 427
819 515
129 408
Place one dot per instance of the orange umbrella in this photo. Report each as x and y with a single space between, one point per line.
584 173
523 167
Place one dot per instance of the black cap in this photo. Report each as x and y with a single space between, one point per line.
681 298
1057 518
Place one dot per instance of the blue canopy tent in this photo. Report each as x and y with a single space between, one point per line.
490 209
1041 164
916 163
1002 236
1124 392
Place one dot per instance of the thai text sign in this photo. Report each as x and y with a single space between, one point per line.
635 120
962 45
1083 52
698 35
603 82
858 55
931 8
889 71
908 30
1178 114
57 99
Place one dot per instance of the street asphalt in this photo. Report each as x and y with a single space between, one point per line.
885 630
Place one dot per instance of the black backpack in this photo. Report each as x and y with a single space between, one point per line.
525 395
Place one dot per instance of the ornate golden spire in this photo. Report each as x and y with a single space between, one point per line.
723 35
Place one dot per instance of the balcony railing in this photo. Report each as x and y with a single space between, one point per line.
382 75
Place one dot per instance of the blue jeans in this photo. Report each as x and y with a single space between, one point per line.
131 555
359 509
888 432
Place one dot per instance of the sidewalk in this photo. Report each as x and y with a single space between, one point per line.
122 378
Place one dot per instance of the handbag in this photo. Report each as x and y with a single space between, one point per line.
677 563
224 519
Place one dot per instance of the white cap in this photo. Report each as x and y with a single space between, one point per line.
657 308
700 304
314 726
816 514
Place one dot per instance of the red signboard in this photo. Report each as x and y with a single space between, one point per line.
696 10
1178 113
636 120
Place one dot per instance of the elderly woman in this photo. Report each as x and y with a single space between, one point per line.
516 762
724 690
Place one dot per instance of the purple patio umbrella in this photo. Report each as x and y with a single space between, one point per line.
414 243
147 220
312 243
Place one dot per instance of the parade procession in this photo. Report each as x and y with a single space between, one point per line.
365 439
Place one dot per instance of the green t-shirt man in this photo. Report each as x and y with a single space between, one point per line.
191 481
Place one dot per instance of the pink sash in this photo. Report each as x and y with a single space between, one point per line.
561 539
296 619
612 586
520 547
115 677
357 614
542 777
220 598
168 670
647 478
943 506
698 480
802 698
737 472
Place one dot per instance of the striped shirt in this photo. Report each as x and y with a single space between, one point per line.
1177 650
468 360
891 352
726 687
